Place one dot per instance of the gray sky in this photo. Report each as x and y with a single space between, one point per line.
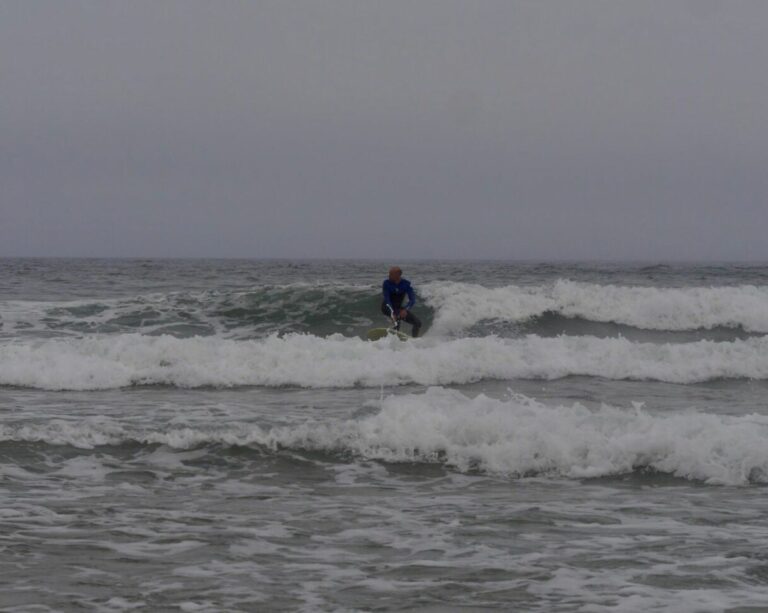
616 129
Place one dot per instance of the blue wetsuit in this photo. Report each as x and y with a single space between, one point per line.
394 294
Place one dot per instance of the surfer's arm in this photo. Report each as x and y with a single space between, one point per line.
411 298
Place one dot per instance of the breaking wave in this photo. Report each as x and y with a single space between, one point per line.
517 437
461 305
114 361
447 308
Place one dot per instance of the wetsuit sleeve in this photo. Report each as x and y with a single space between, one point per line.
411 297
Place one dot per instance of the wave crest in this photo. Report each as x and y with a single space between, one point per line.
461 305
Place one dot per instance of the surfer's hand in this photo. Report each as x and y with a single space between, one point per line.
403 313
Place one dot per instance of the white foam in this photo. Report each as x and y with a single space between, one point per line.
103 362
513 437
460 305
84 435
523 437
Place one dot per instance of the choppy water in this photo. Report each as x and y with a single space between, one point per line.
217 436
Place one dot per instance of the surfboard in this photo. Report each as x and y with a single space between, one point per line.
375 334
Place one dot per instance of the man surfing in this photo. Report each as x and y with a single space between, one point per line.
395 289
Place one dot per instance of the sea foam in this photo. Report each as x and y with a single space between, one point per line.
113 361
461 305
514 437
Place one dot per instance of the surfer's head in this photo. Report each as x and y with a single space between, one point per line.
395 273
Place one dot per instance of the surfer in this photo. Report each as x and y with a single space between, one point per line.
395 289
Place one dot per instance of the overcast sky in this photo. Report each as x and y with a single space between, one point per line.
544 130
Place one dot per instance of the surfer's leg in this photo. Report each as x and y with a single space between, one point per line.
415 322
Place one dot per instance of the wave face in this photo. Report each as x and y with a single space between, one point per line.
458 306
516 437
297 307
310 361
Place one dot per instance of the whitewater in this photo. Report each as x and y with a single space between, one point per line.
652 308
218 435
337 361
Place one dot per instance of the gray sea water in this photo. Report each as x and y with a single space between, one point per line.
218 436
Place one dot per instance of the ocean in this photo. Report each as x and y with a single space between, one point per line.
218 435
